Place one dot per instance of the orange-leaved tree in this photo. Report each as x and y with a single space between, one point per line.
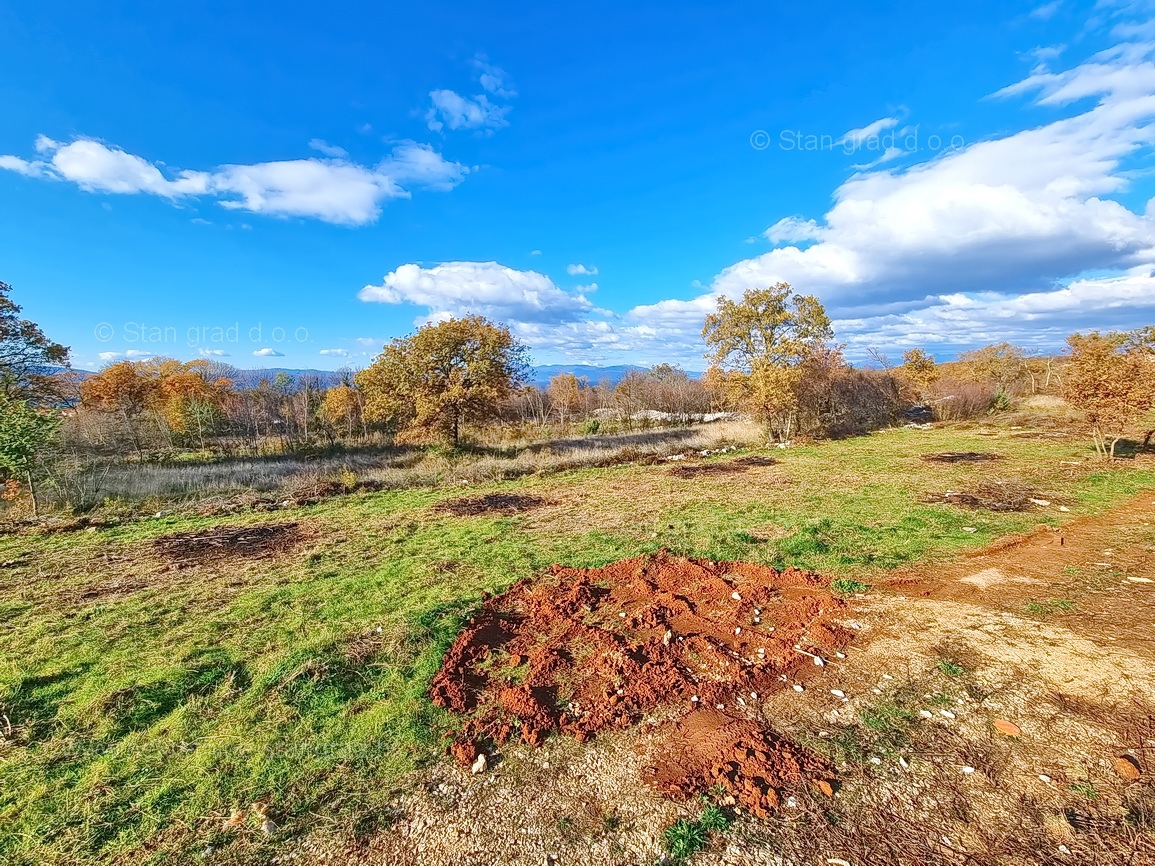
446 375
1112 382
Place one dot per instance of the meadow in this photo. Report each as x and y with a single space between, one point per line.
157 675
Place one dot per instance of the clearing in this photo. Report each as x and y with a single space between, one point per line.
164 675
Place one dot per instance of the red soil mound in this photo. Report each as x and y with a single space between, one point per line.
580 651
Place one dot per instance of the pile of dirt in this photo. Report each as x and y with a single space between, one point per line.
1000 496
251 542
489 503
581 651
961 457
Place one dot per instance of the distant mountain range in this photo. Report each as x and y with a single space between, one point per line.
541 375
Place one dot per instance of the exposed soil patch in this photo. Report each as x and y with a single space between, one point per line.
961 457
755 460
993 496
490 503
581 651
250 542
696 470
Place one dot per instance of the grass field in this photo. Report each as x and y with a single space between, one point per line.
146 698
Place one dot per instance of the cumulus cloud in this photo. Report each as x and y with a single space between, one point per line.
1004 218
268 352
484 111
484 288
580 270
337 353
451 109
334 190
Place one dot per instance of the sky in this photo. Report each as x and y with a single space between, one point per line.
292 185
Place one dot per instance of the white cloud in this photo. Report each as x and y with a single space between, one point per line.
493 79
485 288
535 252
337 353
268 352
21 166
213 353
334 190
855 138
108 356
1047 10
451 109
581 270
1039 319
322 146
1012 215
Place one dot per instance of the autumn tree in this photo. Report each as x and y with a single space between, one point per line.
27 356
1112 382
1000 363
919 369
341 410
565 395
757 349
121 389
26 432
442 377
180 394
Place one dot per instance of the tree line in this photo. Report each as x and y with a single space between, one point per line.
771 355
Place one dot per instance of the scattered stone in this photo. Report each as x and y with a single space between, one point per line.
1128 767
946 714
1010 729
479 765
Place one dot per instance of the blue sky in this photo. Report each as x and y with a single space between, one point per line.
292 185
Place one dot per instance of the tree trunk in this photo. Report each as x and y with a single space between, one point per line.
32 493
1147 440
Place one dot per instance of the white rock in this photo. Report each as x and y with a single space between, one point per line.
798 687
946 714
968 770
926 714
479 765
838 693
737 596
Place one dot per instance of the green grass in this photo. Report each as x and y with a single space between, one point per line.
1051 605
685 838
951 669
142 715
848 586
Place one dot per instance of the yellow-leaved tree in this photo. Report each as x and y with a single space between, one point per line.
758 348
446 375
1111 378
